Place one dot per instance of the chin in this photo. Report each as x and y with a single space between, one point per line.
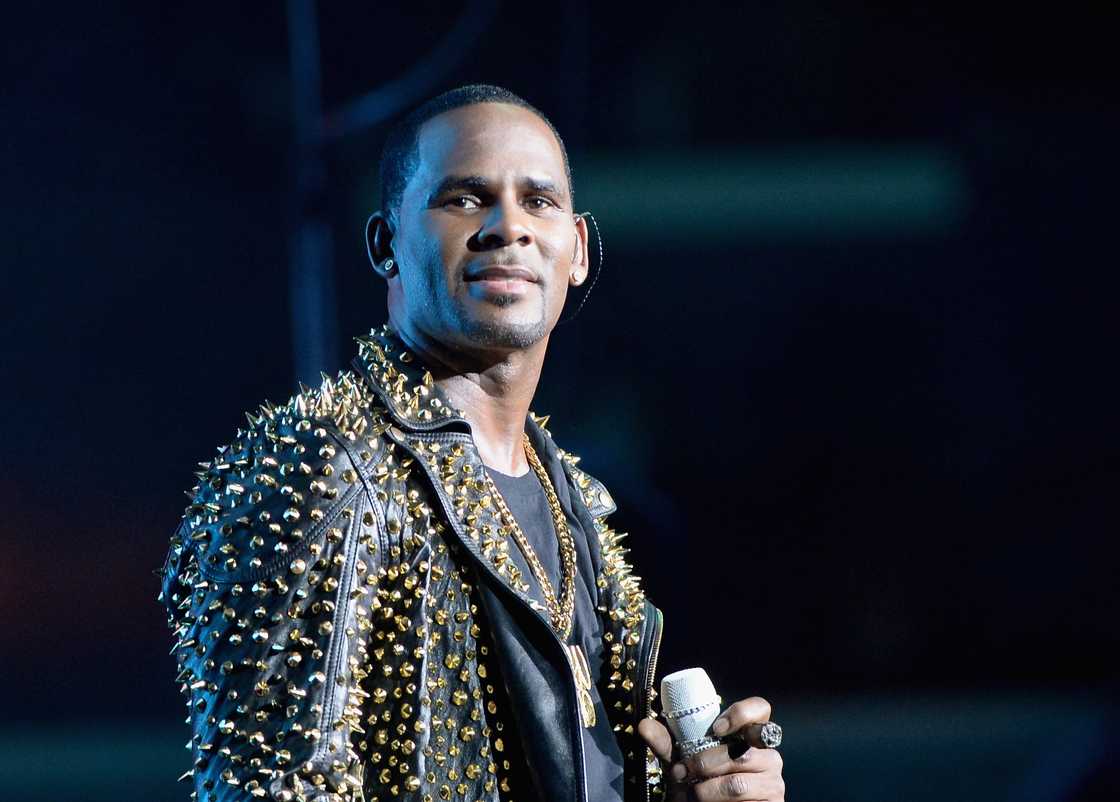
501 321
496 332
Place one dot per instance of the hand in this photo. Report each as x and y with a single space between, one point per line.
726 773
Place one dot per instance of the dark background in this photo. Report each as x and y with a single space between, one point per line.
849 370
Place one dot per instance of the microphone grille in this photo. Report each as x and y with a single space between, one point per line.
689 703
686 689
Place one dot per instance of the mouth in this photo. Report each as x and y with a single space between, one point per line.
500 282
500 274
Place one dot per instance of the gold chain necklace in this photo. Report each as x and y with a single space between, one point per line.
560 610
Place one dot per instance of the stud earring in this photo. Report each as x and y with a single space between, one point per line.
386 267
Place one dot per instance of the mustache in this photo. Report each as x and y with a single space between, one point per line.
507 260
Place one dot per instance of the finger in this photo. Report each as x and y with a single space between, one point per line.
657 737
754 710
741 787
724 760
706 763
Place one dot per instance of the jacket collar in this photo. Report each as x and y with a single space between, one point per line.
409 392
403 383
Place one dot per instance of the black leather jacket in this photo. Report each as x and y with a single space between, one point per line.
346 626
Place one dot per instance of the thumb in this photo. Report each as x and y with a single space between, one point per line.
657 737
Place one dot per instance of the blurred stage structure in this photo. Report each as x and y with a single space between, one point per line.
312 287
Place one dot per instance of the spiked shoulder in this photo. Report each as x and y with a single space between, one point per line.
265 580
265 494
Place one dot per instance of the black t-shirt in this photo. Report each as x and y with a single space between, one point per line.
526 500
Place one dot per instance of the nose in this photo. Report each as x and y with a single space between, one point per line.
505 224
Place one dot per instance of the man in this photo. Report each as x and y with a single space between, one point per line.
396 585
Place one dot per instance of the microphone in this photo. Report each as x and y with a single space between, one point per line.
690 704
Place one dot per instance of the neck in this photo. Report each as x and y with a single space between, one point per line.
493 388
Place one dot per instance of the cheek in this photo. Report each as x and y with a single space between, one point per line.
557 246
568 256
445 242
427 251
561 271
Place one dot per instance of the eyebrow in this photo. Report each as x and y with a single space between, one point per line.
476 183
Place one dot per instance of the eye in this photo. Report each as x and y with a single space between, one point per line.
463 202
539 202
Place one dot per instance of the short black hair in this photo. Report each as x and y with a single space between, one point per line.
399 155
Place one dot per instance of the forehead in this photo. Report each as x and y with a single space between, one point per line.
493 140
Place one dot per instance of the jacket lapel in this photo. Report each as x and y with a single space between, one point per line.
534 661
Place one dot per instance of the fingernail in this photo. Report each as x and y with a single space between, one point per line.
679 772
720 726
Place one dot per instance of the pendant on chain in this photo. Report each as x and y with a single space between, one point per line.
581 672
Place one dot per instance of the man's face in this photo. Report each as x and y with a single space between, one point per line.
486 238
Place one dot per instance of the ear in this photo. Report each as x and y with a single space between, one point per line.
581 260
379 238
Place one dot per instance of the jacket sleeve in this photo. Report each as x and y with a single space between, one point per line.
268 585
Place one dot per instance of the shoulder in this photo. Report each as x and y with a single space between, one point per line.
592 492
275 483
617 578
598 500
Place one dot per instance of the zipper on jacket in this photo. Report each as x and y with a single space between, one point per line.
651 671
